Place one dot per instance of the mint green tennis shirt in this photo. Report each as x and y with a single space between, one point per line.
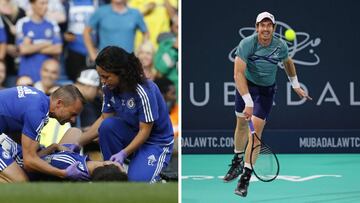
261 62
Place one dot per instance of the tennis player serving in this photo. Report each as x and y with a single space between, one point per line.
256 64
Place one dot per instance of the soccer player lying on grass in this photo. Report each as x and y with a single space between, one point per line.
11 154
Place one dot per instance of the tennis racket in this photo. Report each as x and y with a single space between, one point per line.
263 160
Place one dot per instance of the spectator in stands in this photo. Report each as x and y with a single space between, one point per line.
121 33
174 28
38 40
88 84
50 72
2 74
157 15
168 90
76 55
24 81
146 55
166 58
2 41
53 131
55 12
11 13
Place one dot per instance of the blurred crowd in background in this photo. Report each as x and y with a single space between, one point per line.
49 43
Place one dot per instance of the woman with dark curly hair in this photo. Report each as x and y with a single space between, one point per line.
135 122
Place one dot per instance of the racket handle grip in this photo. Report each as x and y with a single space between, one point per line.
251 126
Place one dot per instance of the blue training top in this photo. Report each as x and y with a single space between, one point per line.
146 105
37 32
80 12
64 159
24 109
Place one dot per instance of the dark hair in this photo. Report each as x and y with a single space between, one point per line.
69 94
126 66
163 84
108 173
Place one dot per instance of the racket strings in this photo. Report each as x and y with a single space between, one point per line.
266 166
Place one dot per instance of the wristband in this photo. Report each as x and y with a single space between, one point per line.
294 82
248 100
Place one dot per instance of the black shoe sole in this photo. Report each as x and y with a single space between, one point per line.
229 181
242 194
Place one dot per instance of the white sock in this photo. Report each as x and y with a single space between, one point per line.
238 151
247 165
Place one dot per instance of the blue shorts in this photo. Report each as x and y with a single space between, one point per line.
5 159
146 163
13 149
263 97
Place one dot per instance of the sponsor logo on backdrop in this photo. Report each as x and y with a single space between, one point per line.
329 142
302 42
205 142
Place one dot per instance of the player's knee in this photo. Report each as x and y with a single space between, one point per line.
13 174
21 179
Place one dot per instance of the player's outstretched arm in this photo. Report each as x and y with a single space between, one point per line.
32 162
291 73
52 148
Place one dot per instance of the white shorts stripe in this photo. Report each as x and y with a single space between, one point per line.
63 160
65 156
2 165
160 164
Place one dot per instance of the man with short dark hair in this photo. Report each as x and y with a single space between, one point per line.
27 110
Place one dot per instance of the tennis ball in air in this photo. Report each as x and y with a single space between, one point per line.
290 34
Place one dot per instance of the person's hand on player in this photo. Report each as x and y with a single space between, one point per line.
119 157
74 173
248 112
302 94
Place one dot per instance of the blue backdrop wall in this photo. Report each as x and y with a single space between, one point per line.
326 54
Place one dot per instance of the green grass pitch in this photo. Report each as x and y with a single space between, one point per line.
88 192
